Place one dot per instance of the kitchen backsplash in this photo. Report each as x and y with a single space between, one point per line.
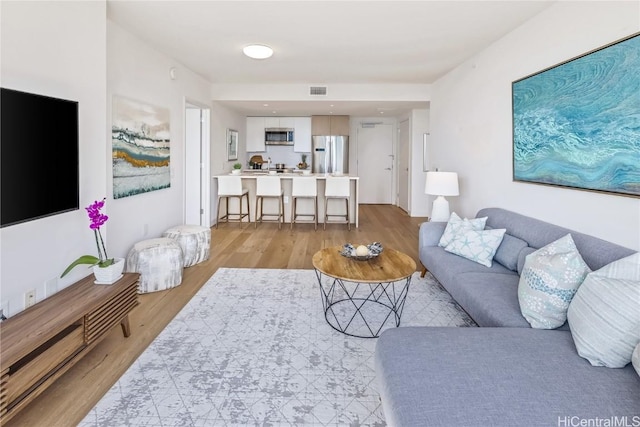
281 154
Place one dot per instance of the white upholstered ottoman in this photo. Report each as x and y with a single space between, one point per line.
195 241
159 262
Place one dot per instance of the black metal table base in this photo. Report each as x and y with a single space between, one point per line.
362 309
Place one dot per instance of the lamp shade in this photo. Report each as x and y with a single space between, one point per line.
441 184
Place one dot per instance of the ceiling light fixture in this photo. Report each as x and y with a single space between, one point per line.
257 51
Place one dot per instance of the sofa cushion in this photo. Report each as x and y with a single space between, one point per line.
549 280
509 250
491 299
456 225
522 257
446 266
429 376
635 359
604 315
476 245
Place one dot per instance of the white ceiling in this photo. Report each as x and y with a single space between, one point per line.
322 42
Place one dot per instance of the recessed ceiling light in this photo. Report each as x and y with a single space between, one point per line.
265 105
257 51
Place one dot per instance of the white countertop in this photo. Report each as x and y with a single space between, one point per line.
254 173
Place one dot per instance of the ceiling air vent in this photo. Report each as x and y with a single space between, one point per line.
370 124
317 90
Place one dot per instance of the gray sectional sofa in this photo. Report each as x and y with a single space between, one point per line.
503 373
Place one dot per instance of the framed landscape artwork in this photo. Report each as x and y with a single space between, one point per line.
232 144
577 124
140 147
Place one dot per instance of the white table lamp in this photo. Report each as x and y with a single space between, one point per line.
441 184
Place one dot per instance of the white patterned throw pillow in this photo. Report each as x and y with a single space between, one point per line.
477 245
604 315
549 280
635 359
457 225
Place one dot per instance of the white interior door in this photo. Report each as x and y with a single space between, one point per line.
375 164
404 142
197 166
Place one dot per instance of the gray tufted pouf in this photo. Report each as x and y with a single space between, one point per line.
159 262
195 241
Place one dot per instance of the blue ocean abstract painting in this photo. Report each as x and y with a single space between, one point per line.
578 124
140 141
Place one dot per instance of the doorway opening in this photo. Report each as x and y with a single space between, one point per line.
197 164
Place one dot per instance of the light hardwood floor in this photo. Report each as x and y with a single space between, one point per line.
70 398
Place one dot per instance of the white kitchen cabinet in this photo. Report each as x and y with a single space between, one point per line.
300 125
255 134
302 135
272 122
287 122
279 122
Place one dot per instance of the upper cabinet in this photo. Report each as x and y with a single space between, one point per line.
330 125
255 134
279 122
302 135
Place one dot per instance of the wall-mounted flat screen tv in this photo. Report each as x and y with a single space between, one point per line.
39 174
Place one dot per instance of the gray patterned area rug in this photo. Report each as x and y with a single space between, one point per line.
252 348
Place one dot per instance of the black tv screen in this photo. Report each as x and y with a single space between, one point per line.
38 156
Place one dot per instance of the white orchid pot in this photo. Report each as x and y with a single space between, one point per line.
109 275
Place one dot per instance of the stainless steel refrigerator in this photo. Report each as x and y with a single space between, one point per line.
330 154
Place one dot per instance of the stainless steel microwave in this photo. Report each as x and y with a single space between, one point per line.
278 136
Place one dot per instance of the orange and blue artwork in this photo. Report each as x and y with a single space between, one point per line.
140 150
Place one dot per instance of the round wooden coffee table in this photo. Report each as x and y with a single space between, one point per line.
360 297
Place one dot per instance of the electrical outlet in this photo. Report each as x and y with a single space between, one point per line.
286 199
146 230
29 298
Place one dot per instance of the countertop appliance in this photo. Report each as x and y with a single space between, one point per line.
278 136
330 154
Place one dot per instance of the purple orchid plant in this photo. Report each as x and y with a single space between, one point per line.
97 220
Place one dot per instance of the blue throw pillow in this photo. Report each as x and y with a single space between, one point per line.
508 251
549 280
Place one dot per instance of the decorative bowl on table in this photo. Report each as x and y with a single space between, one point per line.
361 252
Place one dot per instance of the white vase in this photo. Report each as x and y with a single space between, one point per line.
109 275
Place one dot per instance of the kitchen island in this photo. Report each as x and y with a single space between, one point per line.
304 205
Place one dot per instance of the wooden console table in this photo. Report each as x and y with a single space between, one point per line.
41 343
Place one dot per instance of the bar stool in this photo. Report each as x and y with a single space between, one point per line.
337 188
228 187
304 188
269 187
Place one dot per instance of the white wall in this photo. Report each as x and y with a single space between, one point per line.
137 71
43 53
223 118
419 202
471 120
